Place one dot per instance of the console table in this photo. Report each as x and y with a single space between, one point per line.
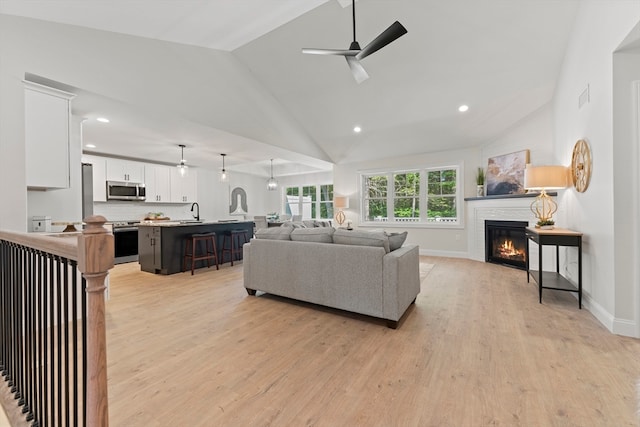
549 280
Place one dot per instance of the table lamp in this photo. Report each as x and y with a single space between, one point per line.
340 203
543 178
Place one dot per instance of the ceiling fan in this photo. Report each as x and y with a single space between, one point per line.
354 54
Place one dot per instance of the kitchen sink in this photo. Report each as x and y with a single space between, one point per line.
191 221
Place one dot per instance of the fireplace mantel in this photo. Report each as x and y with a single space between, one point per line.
508 196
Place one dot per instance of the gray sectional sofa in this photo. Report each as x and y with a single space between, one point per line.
355 271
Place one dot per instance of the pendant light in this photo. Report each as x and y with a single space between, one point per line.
272 184
182 167
224 176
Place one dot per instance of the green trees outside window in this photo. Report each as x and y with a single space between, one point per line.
406 192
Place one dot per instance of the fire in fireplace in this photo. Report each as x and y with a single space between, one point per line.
505 243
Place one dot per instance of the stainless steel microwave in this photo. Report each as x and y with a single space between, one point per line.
118 190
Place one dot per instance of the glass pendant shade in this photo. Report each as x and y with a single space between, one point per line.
224 175
182 167
272 184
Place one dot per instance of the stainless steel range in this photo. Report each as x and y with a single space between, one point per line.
125 239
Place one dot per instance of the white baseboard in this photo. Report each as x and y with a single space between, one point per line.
446 254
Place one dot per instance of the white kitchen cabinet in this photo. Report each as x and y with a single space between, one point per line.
99 177
157 180
47 122
184 189
125 170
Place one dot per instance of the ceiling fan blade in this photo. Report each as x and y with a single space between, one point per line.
343 52
394 31
357 69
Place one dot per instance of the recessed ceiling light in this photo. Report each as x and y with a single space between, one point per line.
90 146
357 129
463 108
102 120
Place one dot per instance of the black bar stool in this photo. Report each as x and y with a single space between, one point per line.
191 245
232 243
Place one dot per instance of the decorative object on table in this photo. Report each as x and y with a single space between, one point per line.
272 184
581 166
182 167
156 216
543 178
505 174
354 54
340 203
69 225
480 182
224 176
238 202
349 224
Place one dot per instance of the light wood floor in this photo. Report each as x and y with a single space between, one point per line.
476 350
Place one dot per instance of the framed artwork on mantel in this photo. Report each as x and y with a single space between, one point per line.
505 174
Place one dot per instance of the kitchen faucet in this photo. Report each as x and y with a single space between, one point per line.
197 215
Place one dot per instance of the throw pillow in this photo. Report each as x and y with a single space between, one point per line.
318 235
396 240
361 238
309 223
274 233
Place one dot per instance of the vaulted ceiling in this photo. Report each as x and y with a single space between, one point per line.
499 57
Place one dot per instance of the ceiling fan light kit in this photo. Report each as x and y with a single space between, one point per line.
354 54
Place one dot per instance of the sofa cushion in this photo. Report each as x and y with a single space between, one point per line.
274 233
396 240
293 224
322 223
361 238
318 235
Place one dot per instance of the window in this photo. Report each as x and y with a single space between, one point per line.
397 196
310 201
326 201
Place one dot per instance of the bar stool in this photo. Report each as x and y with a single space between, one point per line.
232 243
191 245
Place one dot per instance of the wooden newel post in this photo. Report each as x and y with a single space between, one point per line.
95 259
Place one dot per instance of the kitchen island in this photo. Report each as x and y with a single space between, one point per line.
161 243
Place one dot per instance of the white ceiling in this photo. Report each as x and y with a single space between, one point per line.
501 57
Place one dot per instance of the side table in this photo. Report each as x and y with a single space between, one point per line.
549 280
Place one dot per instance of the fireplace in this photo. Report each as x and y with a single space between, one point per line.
506 243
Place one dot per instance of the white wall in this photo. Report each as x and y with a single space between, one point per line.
534 133
13 182
599 29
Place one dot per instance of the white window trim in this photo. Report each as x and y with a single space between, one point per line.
423 222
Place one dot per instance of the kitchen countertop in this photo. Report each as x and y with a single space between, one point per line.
185 223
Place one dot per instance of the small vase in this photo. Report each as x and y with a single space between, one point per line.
480 190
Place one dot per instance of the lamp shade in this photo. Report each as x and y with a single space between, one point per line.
545 177
341 202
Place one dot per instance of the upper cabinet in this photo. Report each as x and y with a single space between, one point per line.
184 189
157 180
125 170
47 116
